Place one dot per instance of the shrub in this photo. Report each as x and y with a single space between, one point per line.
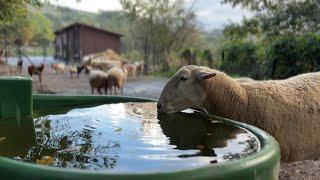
240 58
291 55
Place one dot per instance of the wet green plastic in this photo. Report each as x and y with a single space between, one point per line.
264 164
15 100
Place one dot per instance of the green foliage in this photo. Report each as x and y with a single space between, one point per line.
133 55
191 55
41 27
274 18
207 56
12 11
159 27
240 58
291 55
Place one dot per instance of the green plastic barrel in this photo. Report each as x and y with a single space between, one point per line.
264 164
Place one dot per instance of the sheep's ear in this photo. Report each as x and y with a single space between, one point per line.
205 75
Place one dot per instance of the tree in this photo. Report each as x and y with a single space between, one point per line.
42 28
160 27
11 11
273 18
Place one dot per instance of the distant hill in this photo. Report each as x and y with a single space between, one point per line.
110 20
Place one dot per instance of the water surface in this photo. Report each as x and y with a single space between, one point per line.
131 137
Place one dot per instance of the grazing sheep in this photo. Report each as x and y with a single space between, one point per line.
130 68
36 70
72 70
287 109
116 79
58 67
98 80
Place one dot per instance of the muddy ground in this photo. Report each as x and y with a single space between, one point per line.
150 87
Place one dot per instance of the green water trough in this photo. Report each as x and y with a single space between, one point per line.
17 105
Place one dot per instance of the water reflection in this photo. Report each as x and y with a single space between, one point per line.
15 140
191 131
131 137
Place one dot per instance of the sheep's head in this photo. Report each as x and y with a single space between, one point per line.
185 89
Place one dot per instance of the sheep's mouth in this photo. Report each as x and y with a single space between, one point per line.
191 109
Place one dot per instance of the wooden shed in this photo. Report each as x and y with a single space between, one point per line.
77 40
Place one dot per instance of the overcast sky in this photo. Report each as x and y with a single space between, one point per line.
211 13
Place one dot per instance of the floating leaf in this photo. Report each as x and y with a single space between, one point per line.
45 160
118 130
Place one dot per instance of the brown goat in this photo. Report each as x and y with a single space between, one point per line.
36 70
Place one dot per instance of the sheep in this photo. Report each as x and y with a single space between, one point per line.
101 64
116 79
244 79
139 67
58 67
97 80
130 68
72 70
287 109
36 70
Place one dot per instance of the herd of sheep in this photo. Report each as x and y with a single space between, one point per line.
107 75
105 70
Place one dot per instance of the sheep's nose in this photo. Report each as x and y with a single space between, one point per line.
158 105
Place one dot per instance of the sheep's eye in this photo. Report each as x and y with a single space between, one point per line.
183 79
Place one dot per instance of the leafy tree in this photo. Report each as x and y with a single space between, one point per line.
273 18
159 27
42 28
11 11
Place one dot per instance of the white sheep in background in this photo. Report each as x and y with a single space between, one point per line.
59 67
72 70
287 109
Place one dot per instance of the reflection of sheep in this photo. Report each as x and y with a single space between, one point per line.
287 109
98 80
187 131
116 79
59 67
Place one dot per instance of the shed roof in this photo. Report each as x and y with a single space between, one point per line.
86 26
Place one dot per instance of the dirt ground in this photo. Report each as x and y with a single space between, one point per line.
150 87
142 86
